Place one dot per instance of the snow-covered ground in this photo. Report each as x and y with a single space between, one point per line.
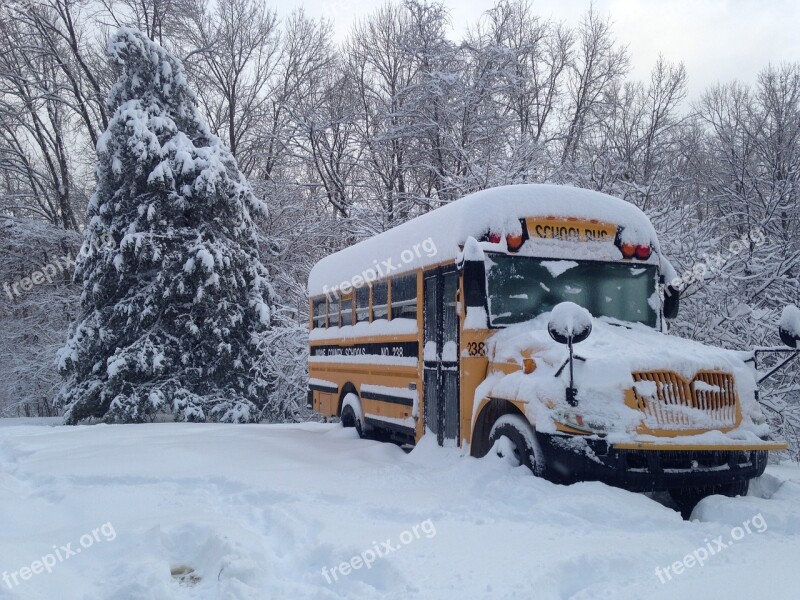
266 511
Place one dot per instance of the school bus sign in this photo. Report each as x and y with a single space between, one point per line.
570 230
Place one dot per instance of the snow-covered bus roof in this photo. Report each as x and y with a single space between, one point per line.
435 237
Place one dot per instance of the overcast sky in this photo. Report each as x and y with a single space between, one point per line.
718 40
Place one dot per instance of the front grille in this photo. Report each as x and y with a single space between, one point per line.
708 401
720 404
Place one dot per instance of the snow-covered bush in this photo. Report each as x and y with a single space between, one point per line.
38 301
174 310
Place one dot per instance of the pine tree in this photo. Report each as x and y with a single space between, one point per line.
173 311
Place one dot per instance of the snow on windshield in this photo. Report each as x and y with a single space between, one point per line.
557 267
521 288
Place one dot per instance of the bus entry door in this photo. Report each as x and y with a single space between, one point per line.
440 355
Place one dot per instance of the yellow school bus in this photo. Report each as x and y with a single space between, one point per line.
532 320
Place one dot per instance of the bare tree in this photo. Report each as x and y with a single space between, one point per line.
378 59
35 125
306 56
156 18
58 29
598 63
233 53
328 136
537 54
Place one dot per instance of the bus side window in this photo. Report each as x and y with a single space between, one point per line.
319 312
333 311
347 309
404 297
362 304
380 300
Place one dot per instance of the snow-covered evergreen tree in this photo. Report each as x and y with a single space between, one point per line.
173 313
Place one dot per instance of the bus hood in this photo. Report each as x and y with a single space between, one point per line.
616 357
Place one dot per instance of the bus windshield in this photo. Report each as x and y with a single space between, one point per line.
521 288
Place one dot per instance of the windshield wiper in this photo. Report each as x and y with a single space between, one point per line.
615 322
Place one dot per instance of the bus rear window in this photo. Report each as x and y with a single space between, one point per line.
404 297
319 312
347 311
380 300
362 304
333 311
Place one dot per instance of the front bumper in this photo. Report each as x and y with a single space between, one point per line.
646 467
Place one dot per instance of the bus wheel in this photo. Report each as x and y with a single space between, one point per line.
351 419
687 498
511 434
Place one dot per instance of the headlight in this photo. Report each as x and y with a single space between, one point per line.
757 416
579 421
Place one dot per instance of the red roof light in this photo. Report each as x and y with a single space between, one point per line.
628 250
514 242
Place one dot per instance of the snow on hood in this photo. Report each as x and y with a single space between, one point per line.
612 352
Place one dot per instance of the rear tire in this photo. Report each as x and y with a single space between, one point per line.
350 419
687 498
512 433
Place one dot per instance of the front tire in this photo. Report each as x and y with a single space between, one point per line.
512 436
687 498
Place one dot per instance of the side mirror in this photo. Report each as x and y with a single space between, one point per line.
672 301
569 323
474 273
789 328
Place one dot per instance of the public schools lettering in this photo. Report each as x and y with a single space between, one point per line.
397 349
